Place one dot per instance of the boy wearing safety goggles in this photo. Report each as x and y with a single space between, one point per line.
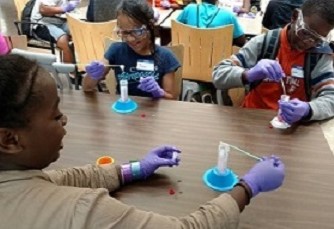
312 91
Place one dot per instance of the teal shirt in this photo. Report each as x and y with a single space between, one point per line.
206 13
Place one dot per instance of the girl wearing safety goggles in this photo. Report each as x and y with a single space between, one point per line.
149 68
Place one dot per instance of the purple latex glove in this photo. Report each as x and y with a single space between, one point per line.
95 70
165 4
69 6
149 84
294 110
158 157
236 9
265 68
266 175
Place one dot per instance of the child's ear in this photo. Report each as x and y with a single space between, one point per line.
9 141
294 16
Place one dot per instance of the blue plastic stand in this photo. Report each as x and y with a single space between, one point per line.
124 107
220 181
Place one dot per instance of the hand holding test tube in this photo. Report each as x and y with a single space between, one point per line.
278 122
265 69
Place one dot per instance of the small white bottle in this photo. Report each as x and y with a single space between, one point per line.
223 151
277 121
124 90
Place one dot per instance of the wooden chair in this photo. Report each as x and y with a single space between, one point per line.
33 41
88 39
20 4
49 62
234 96
178 51
203 49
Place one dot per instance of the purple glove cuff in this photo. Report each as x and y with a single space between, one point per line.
126 173
254 188
158 93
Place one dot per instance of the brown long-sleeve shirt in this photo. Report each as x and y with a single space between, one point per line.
79 198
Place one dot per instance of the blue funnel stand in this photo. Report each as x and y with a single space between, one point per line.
124 107
220 181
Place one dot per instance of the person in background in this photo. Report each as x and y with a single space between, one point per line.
149 68
166 4
312 95
49 13
32 128
236 6
208 15
4 47
278 13
101 10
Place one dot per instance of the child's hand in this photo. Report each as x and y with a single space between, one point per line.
70 6
95 70
149 84
158 157
165 4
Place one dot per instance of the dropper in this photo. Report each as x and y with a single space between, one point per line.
106 65
245 152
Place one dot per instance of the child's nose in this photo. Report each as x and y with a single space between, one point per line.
64 120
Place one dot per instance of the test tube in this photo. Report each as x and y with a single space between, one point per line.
124 90
223 151
284 98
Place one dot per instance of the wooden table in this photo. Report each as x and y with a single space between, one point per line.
305 200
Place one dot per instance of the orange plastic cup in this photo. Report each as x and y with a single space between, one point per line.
104 160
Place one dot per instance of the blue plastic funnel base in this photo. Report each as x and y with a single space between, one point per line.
220 182
124 107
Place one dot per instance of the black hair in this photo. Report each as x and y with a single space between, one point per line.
17 77
213 2
323 8
142 12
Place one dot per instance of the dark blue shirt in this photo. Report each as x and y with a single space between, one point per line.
120 53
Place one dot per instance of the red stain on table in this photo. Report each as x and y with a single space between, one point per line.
143 115
171 191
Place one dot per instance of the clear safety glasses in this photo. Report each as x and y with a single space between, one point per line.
307 35
135 33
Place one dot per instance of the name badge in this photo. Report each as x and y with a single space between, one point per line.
297 71
145 65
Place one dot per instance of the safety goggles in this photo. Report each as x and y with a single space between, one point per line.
307 35
135 33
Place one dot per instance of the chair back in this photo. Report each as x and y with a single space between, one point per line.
49 63
88 39
233 96
203 48
20 4
178 51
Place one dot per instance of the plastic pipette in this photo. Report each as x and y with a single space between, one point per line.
245 152
106 65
